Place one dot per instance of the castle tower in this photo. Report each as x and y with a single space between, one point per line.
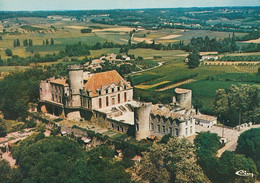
142 120
183 97
75 83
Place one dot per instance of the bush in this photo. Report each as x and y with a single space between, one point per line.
8 52
86 30
18 127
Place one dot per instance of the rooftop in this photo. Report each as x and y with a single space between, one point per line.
205 117
96 81
181 90
60 81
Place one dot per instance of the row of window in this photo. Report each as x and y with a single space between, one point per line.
56 98
159 119
118 127
162 129
56 89
113 100
112 90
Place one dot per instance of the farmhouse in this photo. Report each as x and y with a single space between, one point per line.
108 99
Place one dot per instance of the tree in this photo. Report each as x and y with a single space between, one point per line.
194 60
47 42
220 105
25 42
52 41
1 38
207 145
197 104
171 162
8 52
30 42
8 174
15 43
230 163
3 130
43 42
249 145
18 42
15 104
238 100
58 159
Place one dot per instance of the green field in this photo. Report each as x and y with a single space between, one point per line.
150 53
203 85
12 68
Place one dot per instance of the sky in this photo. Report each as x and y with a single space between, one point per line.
32 5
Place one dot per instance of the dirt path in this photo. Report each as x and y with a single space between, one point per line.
159 65
177 84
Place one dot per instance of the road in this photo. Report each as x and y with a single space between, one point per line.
229 133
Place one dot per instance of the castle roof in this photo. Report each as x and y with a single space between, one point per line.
206 117
181 90
60 81
96 81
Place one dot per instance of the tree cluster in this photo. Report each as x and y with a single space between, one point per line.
18 89
238 101
174 161
221 169
249 144
58 159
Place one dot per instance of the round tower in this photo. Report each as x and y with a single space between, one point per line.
75 83
142 120
183 97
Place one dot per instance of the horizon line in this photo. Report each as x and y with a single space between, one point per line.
128 8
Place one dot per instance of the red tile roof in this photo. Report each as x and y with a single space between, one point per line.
98 80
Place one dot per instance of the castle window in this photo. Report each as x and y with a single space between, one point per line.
125 87
107 103
190 130
186 121
52 97
163 129
118 98
176 132
125 96
170 130
113 90
137 126
99 92
158 128
100 103
118 88
113 126
152 126
106 91
186 131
